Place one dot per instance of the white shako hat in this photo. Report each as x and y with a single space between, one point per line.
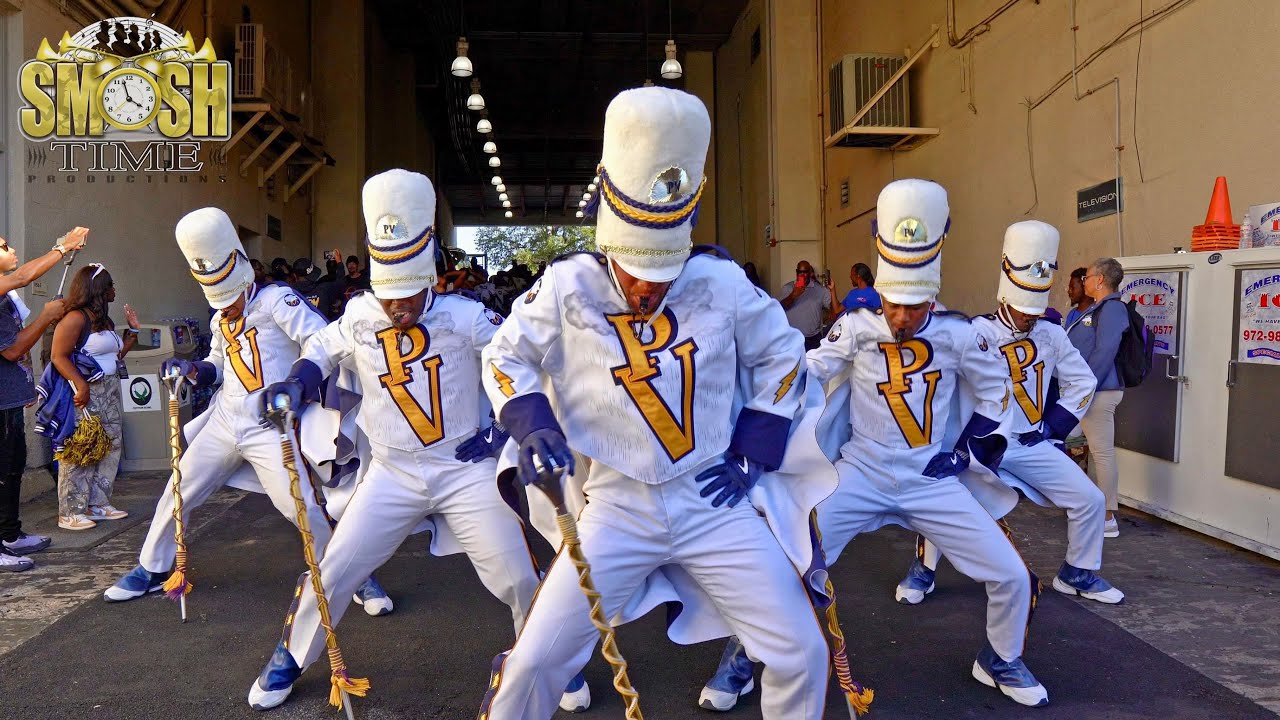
912 220
399 217
213 251
651 180
1028 266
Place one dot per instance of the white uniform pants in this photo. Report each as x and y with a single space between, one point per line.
231 436
1050 471
870 496
399 490
628 529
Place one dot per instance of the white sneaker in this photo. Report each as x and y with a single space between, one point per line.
76 522
260 699
576 701
720 700
105 512
1111 528
14 563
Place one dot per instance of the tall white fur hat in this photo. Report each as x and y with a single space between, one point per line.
651 180
399 216
1028 266
217 259
912 220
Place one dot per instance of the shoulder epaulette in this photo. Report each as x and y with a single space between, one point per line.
600 258
952 313
712 250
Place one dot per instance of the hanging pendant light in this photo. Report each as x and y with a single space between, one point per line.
496 181
495 162
586 196
503 196
582 203
671 69
591 187
491 147
578 214
484 127
502 188
506 203
461 66
476 100
507 213
596 180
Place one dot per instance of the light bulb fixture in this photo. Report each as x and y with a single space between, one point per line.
596 180
491 147
507 213
461 66
671 69
503 196
506 203
484 127
648 82
591 187
495 162
476 100
586 196
579 214
502 188
582 203
496 181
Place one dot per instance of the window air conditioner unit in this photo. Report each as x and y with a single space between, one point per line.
854 79
251 61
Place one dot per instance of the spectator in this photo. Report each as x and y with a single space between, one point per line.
356 279
84 491
752 274
864 292
17 388
334 271
280 270
1075 293
1096 334
260 276
808 305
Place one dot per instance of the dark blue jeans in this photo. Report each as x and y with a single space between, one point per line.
13 460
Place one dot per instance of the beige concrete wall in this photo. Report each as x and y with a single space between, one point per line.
741 183
339 32
1202 111
700 79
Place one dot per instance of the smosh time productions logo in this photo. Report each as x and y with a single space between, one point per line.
125 95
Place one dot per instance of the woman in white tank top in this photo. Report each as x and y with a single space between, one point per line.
84 491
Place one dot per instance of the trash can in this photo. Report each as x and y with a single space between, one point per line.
144 399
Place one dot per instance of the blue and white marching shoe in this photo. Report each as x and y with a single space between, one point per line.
276 681
136 583
577 696
373 598
1085 583
733 679
917 584
1011 676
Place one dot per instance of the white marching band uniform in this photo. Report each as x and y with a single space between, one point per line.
421 397
227 444
716 367
902 400
1032 360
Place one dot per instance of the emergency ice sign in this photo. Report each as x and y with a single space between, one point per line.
1259 340
140 393
1155 295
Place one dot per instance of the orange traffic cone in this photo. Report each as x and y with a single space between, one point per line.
1219 205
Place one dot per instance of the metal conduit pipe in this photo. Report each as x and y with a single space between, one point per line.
972 33
1115 81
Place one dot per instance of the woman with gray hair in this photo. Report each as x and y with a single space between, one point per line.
1096 333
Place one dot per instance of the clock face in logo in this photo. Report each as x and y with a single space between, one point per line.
129 99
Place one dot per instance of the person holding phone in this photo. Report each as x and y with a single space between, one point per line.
808 303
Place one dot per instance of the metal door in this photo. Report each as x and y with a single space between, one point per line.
1253 378
1149 418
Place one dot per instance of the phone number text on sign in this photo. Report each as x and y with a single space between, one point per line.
1261 335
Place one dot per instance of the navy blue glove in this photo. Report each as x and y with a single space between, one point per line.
1062 446
291 388
1031 439
551 449
482 445
733 478
947 464
185 368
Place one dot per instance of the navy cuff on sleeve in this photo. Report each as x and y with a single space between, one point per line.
761 436
310 376
979 438
206 373
1060 422
527 413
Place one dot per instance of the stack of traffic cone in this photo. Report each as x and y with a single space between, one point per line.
1217 232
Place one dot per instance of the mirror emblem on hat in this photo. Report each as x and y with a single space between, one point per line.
1040 269
391 228
657 216
218 274
910 231
670 185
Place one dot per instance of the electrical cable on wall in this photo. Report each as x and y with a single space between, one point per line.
1137 65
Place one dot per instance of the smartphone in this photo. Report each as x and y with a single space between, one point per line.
826 278
802 281
328 255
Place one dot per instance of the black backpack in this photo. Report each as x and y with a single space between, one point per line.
1137 348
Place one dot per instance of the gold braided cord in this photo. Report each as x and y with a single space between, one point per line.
1007 267
642 252
893 257
857 697
383 256
177 586
608 641
338 679
623 207
204 279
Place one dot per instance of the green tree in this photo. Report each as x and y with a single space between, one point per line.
508 245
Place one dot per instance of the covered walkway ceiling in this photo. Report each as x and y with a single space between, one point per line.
547 70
